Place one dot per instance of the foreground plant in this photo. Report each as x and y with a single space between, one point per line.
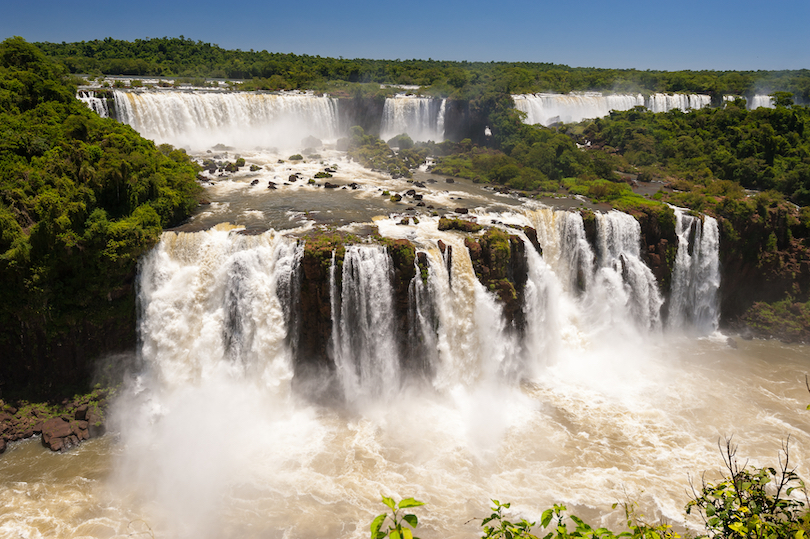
396 530
752 502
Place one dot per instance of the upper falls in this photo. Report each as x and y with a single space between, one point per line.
547 109
202 119
421 118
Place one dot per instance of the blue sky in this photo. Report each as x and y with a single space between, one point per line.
723 35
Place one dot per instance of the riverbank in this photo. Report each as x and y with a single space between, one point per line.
62 425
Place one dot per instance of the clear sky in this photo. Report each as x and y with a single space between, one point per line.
687 34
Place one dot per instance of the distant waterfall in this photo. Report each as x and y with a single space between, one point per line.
760 101
548 109
201 119
421 118
696 277
96 104
683 102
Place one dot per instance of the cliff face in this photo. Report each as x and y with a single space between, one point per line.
765 258
45 358
367 112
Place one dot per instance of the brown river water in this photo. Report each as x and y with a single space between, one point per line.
604 410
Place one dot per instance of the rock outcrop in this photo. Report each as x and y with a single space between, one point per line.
62 426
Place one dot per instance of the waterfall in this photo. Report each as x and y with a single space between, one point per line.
202 119
96 104
760 101
632 291
421 118
210 302
684 102
222 300
548 109
363 325
696 277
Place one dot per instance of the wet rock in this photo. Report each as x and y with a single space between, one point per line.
462 211
531 234
474 248
450 180
271 185
731 343
353 185
458 224
95 424
746 334
254 182
420 184
293 178
417 197
2 445
410 192
329 185
54 432
420 204
396 198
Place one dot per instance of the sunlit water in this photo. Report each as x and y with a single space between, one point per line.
253 461
600 401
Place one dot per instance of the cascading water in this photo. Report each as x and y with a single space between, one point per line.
630 286
760 101
363 325
696 277
94 103
548 109
211 301
202 119
683 102
421 118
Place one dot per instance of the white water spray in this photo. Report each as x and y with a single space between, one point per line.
199 120
696 278
421 118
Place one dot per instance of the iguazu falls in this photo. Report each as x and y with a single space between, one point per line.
262 310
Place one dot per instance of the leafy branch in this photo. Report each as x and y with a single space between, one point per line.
396 530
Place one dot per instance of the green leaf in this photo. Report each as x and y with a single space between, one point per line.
709 510
547 516
738 527
394 534
411 519
376 523
406 534
409 502
389 502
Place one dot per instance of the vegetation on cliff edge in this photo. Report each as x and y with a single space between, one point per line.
81 198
